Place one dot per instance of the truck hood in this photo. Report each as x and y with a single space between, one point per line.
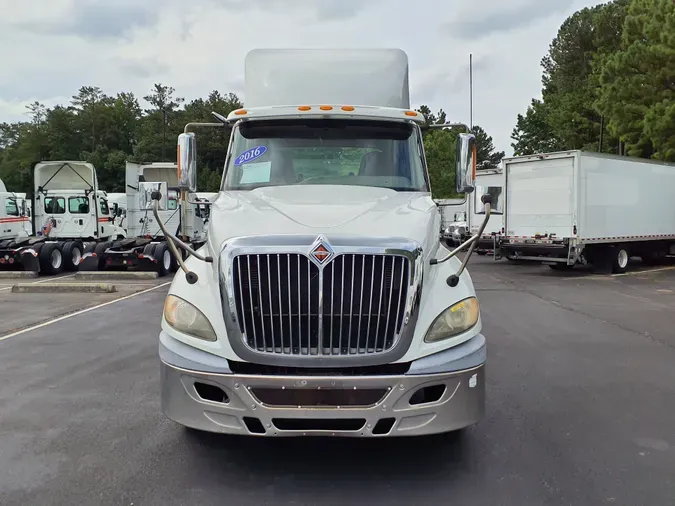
325 209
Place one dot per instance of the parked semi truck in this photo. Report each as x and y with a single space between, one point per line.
323 301
146 244
577 207
470 216
491 182
14 219
70 218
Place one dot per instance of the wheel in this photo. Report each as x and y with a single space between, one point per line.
100 254
51 258
163 257
72 255
620 259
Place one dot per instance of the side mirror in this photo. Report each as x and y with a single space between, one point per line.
24 209
187 162
115 209
466 163
147 192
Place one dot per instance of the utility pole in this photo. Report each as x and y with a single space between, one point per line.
471 90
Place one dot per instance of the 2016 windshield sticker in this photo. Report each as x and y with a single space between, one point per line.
250 154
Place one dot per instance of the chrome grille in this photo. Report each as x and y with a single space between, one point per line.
286 304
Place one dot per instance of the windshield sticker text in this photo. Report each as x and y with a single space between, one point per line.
250 154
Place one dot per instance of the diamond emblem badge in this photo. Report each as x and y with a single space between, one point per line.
321 251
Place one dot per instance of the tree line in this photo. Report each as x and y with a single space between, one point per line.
608 84
108 131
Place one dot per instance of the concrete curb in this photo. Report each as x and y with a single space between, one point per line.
18 275
64 288
116 275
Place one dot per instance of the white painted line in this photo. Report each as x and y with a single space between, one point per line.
610 276
82 311
44 280
647 271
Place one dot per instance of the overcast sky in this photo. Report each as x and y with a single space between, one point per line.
50 48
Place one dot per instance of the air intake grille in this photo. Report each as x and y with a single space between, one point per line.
287 305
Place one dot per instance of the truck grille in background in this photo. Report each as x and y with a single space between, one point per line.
286 305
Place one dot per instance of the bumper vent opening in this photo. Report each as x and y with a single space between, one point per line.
307 397
337 424
254 425
383 426
211 393
427 395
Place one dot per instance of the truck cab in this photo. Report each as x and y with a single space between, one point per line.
13 215
324 301
145 245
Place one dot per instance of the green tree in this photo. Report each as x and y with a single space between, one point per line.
486 155
533 132
160 120
637 82
566 117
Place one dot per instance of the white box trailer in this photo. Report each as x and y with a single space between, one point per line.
575 207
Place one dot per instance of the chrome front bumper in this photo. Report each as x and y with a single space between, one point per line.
356 406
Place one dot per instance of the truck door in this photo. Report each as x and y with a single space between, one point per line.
105 224
540 198
51 218
11 220
79 218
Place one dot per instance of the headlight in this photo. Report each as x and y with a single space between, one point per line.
184 317
454 320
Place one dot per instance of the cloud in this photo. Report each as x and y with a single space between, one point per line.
93 19
323 10
505 18
51 48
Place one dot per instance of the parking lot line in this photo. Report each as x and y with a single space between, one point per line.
610 276
76 313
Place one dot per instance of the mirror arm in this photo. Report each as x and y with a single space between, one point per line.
448 125
172 240
453 279
476 237
197 124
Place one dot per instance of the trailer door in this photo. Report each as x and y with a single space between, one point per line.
540 198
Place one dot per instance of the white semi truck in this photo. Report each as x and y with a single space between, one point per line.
146 245
70 218
323 301
577 207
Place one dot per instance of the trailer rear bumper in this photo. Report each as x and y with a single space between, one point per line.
553 252
450 386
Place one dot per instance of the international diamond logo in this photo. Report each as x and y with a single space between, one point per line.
321 251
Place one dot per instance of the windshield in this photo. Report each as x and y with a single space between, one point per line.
334 152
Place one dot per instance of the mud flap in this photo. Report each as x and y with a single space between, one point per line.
89 260
30 262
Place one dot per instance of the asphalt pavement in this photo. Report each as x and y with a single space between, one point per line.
581 382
